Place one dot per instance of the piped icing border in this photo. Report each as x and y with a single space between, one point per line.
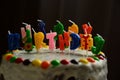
10 57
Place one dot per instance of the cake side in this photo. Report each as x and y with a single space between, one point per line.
76 68
91 71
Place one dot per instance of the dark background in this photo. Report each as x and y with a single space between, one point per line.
104 16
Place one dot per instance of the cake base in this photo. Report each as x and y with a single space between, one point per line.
91 71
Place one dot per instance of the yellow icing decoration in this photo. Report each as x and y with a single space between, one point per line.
36 62
8 54
84 60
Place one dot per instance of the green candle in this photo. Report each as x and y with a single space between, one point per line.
28 43
99 42
59 28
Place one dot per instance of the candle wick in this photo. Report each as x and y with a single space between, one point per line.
39 20
50 31
58 21
71 21
24 23
9 32
33 30
89 24
71 31
64 31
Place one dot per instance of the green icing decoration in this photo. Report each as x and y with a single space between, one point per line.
95 58
13 59
99 42
55 63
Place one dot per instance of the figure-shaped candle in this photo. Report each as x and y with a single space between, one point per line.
23 34
86 39
59 28
28 27
73 28
28 41
13 41
99 42
41 25
28 38
51 36
75 43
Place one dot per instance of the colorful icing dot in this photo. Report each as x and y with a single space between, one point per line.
74 61
8 56
84 60
64 62
18 60
45 64
36 62
95 58
90 59
100 57
55 62
12 59
26 62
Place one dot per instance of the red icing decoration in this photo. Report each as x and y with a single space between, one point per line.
90 59
100 57
9 57
64 62
45 64
18 60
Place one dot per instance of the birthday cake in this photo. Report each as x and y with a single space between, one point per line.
68 56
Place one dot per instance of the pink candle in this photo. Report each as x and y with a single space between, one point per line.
23 32
51 36
29 28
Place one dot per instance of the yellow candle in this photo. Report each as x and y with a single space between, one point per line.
73 28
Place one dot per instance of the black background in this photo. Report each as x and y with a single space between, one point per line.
104 16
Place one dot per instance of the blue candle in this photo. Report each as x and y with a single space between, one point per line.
41 25
75 43
13 41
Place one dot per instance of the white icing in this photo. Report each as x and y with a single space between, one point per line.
90 71
46 54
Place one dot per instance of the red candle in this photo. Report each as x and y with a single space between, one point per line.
61 42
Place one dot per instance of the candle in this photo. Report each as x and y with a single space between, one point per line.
23 34
74 27
28 27
39 37
86 41
87 29
28 41
41 25
66 38
61 42
75 43
99 42
13 41
51 36
59 28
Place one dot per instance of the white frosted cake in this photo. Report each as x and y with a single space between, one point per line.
60 66
76 62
